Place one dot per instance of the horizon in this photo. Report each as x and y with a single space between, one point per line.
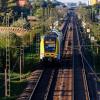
74 1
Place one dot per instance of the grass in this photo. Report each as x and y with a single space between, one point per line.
18 86
1 84
96 58
30 62
97 63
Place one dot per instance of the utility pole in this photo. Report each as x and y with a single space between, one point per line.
44 6
88 2
49 8
37 43
7 66
21 61
43 19
23 44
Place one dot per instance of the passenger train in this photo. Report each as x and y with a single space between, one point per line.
51 46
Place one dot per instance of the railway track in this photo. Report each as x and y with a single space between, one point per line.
55 80
66 78
81 85
67 52
89 68
42 90
64 83
32 83
63 89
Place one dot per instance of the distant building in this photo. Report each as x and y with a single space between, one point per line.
82 4
71 5
98 0
93 2
22 3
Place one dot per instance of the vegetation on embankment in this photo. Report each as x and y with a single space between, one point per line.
30 55
30 59
87 15
17 86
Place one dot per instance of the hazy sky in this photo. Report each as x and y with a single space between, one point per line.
73 0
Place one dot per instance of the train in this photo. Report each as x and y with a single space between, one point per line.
51 46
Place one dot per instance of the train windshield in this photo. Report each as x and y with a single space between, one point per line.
50 45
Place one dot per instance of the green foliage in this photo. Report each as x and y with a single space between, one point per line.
86 17
84 14
19 23
17 86
96 29
1 84
7 7
38 13
13 40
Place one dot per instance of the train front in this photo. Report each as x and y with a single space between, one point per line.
50 48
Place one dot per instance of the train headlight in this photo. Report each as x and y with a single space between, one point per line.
41 55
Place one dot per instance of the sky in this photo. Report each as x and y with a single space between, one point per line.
86 1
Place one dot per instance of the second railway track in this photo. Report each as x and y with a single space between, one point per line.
81 89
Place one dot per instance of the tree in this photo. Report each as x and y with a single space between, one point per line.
6 6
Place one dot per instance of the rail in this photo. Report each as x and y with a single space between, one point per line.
47 77
67 53
73 67
32 81
83 70
36 85
50 82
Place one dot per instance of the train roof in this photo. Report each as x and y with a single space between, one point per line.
54 33
51 35
57 31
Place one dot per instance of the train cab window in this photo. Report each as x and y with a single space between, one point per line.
50 45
